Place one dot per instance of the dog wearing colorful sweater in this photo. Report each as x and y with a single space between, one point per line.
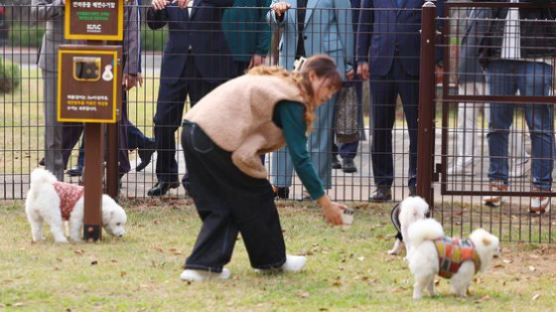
459 260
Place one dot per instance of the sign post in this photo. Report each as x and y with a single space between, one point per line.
89 90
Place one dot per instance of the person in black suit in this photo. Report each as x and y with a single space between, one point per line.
196 59
388 47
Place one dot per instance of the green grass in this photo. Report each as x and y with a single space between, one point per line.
346 270
22 122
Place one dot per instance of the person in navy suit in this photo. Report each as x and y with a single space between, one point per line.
388 47
196 59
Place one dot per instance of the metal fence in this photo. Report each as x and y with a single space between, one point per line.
495 144
386 105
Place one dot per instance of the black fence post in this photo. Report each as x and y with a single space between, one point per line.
426 135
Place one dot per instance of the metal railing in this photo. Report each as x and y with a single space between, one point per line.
458 199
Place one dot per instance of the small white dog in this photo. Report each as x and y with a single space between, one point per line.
403 215
432 253
53 202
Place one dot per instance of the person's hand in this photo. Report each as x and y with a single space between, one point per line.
64 2
129 81
160 4
182 4
350 74
140 80
256 60
363 71
332 211
280 8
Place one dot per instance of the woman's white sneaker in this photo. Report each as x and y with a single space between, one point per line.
189 275
294 263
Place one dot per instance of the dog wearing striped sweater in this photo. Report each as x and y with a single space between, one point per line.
433 254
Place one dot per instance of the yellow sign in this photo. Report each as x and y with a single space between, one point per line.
94 20
89 83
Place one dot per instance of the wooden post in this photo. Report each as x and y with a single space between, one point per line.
426 135
92 219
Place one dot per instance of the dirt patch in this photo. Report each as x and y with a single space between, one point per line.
528 260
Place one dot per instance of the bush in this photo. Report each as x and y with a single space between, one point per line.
31 37
10 76
153 40
26 36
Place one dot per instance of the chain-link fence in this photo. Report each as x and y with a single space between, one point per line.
371 152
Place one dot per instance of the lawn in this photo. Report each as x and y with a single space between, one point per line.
348 269
22 122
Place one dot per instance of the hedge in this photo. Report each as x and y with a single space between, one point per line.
10 76
31 37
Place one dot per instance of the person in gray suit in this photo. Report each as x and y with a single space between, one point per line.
51 12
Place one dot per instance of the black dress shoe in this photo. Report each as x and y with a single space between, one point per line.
348 166
161 188
41 162
336 164
76 171
145 154
382 194
281 192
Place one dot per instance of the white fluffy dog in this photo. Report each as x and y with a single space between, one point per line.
432 253
403 215
44 203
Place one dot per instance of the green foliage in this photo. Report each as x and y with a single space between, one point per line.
26 36
153 40
10 76
31 37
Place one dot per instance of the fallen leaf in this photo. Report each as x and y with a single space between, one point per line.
59 259
79 251
303 294
17 304
436 282
323 309
94 262
485 298
361 258
506 261
114 261
498 266
337 283
535 297
156 221
123 274
532 268
159 249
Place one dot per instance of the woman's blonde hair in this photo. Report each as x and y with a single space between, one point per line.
322 65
